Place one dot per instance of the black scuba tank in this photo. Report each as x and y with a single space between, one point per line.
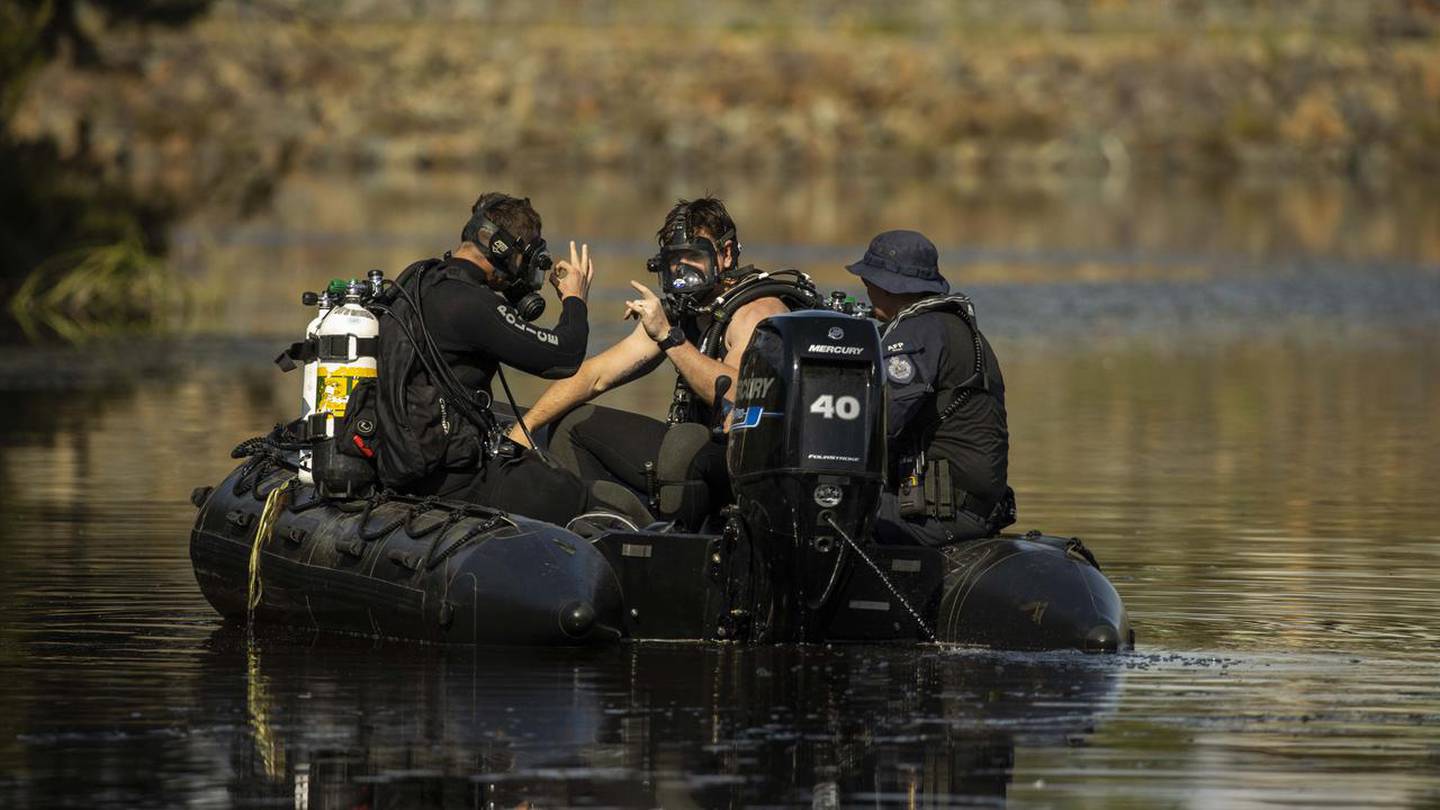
806 460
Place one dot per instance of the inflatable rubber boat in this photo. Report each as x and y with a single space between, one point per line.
789 561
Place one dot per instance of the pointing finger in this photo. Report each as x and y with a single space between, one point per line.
574 259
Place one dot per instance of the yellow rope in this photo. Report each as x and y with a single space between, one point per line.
274 505
257 686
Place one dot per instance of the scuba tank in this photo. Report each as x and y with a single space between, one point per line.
347 339
340 351
323 302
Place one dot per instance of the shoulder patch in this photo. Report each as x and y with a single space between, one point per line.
899 369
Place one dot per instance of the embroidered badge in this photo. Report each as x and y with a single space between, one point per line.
900 369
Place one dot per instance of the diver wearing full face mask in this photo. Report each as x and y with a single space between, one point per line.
703 323
449 325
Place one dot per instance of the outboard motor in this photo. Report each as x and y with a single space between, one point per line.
807 461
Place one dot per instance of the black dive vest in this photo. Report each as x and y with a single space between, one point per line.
426 419
926 486
706 328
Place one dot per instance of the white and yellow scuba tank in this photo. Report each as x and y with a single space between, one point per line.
345 340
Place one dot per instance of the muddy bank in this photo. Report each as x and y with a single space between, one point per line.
1117 87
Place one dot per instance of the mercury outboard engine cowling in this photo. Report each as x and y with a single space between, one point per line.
807 461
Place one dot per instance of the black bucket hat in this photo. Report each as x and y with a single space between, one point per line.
902 262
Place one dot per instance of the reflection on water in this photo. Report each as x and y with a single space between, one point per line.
1262 498
269 721
645 725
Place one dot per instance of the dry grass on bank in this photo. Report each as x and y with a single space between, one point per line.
246 94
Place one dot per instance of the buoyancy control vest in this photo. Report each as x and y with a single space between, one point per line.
926 486
426 420
707 326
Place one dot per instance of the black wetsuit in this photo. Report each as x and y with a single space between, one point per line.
476 330
930 360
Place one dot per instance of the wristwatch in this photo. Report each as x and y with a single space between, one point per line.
673 338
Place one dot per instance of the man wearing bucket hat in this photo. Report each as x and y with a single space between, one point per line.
948 441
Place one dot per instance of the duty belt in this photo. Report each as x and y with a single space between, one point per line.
933 493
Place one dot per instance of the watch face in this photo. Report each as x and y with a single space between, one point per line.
672 338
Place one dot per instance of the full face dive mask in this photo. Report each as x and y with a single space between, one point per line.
520 267
687 264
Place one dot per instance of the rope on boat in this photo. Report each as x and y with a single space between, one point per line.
264 455
368 534
429 503
279 440
274 505
884 580
433 560
251 472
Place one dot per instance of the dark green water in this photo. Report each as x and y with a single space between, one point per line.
1250 450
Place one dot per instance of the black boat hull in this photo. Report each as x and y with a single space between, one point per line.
431 576
444 572
1014 592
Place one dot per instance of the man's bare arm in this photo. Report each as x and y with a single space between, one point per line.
700 372
634 356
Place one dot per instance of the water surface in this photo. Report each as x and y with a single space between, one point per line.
1249 448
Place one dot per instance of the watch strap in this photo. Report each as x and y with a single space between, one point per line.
673 338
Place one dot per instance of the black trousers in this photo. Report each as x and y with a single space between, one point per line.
607 444
525 485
